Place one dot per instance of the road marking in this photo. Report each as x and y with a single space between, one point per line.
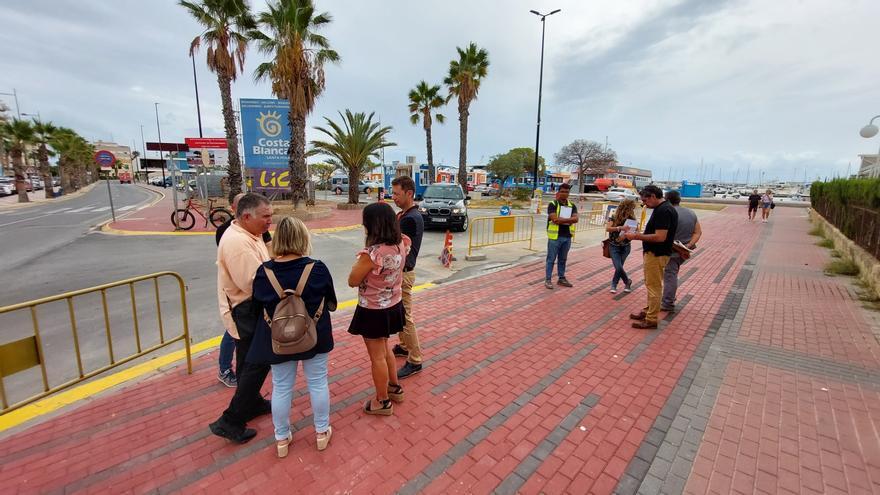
73 395
25 220
129 207
103 208
80 210
59 210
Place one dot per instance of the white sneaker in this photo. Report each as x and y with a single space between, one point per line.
613 290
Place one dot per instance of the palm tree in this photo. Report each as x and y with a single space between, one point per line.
43 132
422 101
351 146
20 135
73 151
296 71
226 24
465 75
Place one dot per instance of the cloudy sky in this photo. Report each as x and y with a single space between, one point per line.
777 87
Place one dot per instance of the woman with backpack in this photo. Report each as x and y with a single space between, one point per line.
378 275
290 272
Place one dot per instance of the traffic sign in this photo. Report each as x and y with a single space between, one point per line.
505 211
104 158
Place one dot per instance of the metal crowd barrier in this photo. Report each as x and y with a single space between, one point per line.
491 231
29 352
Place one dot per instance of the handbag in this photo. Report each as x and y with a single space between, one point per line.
606 248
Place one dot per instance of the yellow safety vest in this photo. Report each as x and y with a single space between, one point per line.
552 228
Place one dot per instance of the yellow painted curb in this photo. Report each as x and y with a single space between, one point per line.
73 395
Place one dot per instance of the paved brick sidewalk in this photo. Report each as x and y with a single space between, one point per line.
766 380
156 218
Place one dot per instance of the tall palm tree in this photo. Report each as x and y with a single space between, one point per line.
423 99
351 145
226 24
43 132
20 134
296 70
72 151
465 75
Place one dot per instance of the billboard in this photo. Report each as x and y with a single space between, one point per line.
267 180
265 133
207 152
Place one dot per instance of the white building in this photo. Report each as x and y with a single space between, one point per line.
870 166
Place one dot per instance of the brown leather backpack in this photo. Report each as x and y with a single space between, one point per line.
293 329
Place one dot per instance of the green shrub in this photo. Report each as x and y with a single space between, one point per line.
521 193
843 192
836 254
826 243
842 267
817 231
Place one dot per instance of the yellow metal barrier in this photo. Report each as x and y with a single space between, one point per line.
27 353
491 231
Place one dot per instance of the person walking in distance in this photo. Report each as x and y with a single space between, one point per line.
620 246
227 344
292 269
754 200
403 191
687 232
241 251
561 217
766 204
657 247
378 275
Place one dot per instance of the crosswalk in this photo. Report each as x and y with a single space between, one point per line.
93 208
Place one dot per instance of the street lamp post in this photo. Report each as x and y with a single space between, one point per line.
540 89
870 131
173 178
14 94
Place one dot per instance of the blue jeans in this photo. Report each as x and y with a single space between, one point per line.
283 378
557 252
618 258
227 347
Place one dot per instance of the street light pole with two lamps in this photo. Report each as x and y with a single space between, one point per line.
540 89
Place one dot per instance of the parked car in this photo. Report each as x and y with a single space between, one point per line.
339 185
7 186
620 194
444 205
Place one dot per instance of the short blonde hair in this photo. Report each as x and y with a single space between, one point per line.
291 237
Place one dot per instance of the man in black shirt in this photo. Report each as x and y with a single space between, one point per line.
403 190
754 199
657 242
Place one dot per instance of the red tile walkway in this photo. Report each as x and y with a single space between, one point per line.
766 380
156 218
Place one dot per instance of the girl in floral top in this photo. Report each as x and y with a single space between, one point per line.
378 275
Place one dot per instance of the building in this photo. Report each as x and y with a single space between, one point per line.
638 176
123 158
870 166
475 175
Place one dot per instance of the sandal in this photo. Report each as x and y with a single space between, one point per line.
323 439
395 392
282 446
386 410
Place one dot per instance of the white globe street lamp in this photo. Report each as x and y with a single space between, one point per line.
870 131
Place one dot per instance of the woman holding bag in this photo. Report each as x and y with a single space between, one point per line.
619 246
291 263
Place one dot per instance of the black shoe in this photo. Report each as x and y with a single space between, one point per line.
399 351
264 407
240 436
408 369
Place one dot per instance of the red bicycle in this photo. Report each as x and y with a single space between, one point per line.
183 218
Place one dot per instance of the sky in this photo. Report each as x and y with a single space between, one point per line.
775 89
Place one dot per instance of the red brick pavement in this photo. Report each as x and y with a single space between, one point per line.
157 218
524 389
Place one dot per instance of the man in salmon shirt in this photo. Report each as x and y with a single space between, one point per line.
241 251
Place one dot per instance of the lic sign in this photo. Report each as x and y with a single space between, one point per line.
265 133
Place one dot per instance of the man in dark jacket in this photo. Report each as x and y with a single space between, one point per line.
403 191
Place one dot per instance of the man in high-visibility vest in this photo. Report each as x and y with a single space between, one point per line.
561 217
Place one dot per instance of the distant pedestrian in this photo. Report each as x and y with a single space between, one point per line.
293 269
561 217
766 204
754 201
657 247
240 253
403 191
227 344
620 245
378 275
687 232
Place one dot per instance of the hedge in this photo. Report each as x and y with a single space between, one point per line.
853 206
